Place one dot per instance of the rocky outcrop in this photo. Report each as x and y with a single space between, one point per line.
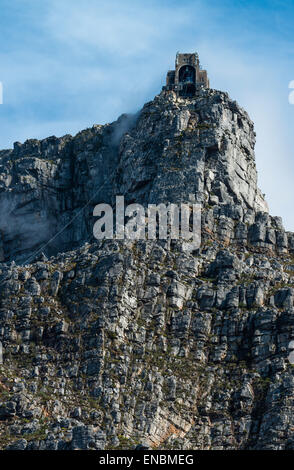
117 343
174 150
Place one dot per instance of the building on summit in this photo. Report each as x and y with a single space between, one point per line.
187 77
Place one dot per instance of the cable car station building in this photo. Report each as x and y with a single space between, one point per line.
187 76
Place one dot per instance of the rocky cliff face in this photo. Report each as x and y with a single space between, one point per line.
174 150
115 343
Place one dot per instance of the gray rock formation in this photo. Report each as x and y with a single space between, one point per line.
124 344
175 150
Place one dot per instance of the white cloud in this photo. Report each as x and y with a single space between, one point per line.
120 29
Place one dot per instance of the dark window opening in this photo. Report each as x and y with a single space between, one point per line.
187 74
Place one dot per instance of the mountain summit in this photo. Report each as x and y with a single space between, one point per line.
176 149
119 343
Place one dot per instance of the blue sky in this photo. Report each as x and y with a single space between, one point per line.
67 64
